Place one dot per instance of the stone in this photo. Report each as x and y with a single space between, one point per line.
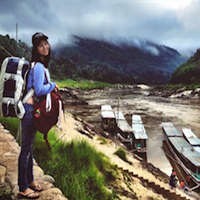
53 193
38 172
49 179
45 185
2 174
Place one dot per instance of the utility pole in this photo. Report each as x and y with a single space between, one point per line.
117 117
16 32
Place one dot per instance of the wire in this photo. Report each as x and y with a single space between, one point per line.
58 140
6 51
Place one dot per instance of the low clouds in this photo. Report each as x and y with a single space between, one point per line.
110 20
189 17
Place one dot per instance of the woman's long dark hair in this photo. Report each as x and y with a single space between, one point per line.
36 56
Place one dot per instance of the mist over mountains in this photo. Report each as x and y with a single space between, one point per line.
121 62
130 62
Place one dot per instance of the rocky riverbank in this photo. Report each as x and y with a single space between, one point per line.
72 96
9 153
180 93
144 182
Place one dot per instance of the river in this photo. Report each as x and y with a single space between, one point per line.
153 111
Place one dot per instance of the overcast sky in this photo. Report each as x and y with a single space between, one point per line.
174 23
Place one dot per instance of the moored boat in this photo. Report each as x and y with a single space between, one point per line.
108 121
124 130
183 152
140 136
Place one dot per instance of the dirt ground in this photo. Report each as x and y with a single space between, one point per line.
74 129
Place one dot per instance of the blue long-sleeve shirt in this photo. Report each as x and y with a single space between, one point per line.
38 81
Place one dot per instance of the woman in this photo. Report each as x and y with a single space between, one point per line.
37 79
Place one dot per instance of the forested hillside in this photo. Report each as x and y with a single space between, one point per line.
9 47
99 60
91 59
188 73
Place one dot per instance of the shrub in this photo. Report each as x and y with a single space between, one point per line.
122 154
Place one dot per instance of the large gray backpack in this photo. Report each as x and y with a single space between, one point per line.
13 78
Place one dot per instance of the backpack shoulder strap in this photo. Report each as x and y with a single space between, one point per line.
3 69
30 93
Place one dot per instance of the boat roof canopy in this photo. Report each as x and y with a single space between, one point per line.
107 112
184 148
170 130
124 126
138 127
119 115
139 131
197 149
122 123
191 137
136 119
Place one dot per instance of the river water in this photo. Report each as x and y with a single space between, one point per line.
153 111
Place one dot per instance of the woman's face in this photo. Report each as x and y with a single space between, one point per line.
43 49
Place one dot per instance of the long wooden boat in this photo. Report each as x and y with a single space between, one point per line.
186 156
125 132
140 136
123 126
191 138
108 121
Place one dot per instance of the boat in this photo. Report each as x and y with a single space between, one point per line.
183 152
191 138
108 121
170 130
140 136
124 130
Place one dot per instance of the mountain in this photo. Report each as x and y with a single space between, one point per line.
147 62
138 62
189 72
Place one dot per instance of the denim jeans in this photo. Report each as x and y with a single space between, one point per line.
25 162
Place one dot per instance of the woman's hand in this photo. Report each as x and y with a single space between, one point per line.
56 89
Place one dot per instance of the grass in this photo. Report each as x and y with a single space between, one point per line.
88 85
83 84
102 140
121 153
10 124
78 169
178 86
